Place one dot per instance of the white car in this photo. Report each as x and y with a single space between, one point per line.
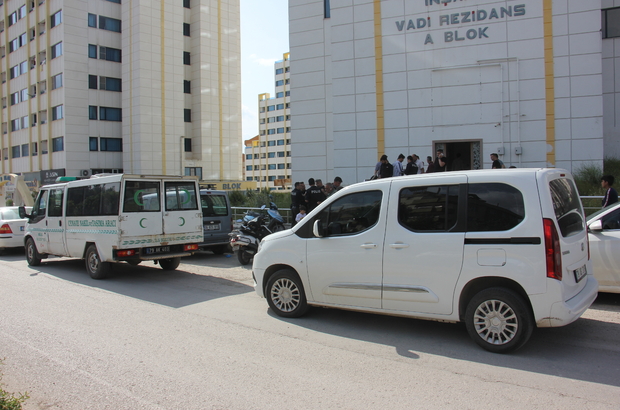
11 227
604 235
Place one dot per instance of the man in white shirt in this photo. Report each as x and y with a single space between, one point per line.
419 164
398 166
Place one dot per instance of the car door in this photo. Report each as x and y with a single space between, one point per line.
345 264
423 252
605 249
55 220
37 224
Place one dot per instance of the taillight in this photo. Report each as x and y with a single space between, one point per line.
192 247
5 229
125 253
553 253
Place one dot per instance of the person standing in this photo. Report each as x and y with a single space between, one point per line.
319 184
294 203
611 196
314 195
337 184
411 168
397 167
418 163
386 169
431 165
497 164
440 162
329 189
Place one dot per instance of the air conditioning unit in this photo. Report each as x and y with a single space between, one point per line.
85 173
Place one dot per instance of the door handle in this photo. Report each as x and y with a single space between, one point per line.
368 245
399 245
59 223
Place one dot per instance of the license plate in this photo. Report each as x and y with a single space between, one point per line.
212 227
580 273
159 249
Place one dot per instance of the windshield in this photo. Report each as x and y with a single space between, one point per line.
600 211
214 205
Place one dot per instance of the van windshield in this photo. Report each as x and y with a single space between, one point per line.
214 205
567 206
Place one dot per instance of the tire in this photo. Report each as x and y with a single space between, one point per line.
285 294
94 266
220 249
134 262
32 254
170 264
499 320
244 257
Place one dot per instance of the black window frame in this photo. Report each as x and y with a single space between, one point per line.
605 19
109 144
93 144
110 24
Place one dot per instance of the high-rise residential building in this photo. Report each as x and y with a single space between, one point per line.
140 86
268 155
535 81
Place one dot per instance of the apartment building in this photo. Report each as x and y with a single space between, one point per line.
535 81
268 155
120 86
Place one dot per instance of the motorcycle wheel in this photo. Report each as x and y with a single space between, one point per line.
244 257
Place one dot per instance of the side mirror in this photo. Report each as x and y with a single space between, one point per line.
316 229
22 212
596 226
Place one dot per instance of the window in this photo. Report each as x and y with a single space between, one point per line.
110 84
287 94
271 131
280 142
92 20
326 9
110 24
271 178
280 130
56 19
279 71
194 171
25 150
115 1
279 83
14 98
611 22
248 156
12 18
281 154
187 144
93 143
56 50
92 112
111 144
186 57
271 155
248 179
110 54
92 82
272 166
110 114
35 149
271 108
187 115
186 4
214 205
280 107
21 12
493 207
280 118
141 196
57 81
271 143
271 119
16 151
280 166
567 206
248 167
186 29
430 208
33 120
58 144
351 214
280 95
187 87
93 200
44 147
57 112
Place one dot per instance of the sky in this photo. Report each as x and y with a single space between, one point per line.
264 39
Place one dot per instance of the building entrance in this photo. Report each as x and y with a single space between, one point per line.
461 155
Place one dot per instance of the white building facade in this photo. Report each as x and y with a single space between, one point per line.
145 87
268 155
531 80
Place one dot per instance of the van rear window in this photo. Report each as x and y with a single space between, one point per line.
141 196
213 205
567 206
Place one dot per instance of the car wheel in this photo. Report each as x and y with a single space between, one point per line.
244 257
94 266
32 255
170 264
285 294
499 320
134 262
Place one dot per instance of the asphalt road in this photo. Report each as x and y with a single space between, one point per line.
200 338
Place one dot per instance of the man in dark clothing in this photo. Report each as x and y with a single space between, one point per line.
338 184
295 202
412 168
611 196
314 196
431 164
386 170
440 162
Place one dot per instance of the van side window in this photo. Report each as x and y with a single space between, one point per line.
141 196
351 214
493 207
430 208
213 205
40 206
611 220
180 196
93 200
55 205
567 206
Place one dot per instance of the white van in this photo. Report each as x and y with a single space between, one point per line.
116 218
503 250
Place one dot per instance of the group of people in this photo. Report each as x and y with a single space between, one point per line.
305 200
414 165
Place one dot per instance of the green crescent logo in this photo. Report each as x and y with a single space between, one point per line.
182 220
136 198
142 226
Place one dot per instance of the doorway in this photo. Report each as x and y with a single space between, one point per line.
461 155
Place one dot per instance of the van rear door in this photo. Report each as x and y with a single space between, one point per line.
141 211
181 213
561 204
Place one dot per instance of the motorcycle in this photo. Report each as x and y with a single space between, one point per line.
253 229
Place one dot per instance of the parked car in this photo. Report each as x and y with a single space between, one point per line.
12 227
217 220
504 251
604 235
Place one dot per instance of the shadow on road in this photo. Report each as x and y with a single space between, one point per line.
584 350
146 281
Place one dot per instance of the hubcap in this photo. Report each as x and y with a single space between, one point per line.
93 262
285 295
496 322
30 251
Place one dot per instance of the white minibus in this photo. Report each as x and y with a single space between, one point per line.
115 218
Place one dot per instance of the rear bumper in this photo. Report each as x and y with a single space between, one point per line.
563 313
